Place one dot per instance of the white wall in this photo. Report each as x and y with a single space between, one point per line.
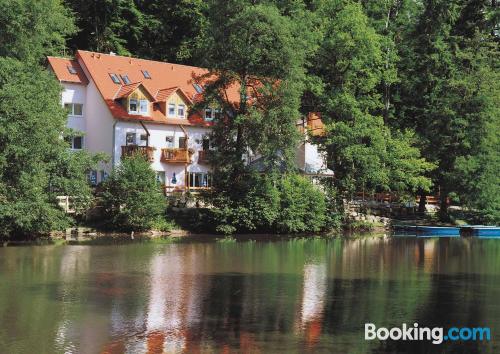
157 139
75 93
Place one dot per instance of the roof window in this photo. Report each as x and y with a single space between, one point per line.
126 80
198 88
115 78
146 74
71 70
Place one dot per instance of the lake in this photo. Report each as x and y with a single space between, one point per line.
264 296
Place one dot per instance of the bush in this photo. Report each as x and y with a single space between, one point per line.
288 205
255 208
302 206
131 196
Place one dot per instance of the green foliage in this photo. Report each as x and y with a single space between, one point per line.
363 150
291 204
35 162
302 206
452 64
131 196
32 29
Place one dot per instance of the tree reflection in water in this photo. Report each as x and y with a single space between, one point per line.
270 296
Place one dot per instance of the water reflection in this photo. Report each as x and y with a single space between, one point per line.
284 296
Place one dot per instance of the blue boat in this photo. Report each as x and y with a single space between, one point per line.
480 231
431 231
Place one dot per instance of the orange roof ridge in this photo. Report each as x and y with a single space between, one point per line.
126 90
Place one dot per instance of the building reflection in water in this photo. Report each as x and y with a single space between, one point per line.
314 292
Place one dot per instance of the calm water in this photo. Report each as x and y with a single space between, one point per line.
289 296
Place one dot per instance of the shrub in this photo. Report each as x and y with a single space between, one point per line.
131 196
302 206
288 205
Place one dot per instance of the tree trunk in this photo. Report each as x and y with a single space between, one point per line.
422 202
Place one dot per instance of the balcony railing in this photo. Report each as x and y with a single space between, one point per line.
175 155
204 156
146 151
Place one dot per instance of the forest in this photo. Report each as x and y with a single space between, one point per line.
409 91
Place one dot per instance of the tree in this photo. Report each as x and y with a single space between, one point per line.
131 196
32 29
35 162
363 150
109 25
451 66
255 61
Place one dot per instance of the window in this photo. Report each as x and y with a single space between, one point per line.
74 109
75 142
132 105
115 78
200 179
206 143
104 175
77 109
208 114
181 110
170 141
218 113
130 139
93 177
160 177
143 106
125 79
71 70
198 88
146 75
171 109
182 142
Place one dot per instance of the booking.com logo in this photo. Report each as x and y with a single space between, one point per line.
436 334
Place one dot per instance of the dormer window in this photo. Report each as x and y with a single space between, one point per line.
132 106
171 109
209 114
143 106
181 110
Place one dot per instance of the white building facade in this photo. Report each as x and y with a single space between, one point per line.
120 105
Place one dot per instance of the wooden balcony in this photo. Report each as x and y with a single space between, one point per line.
175 155
204 156
146 151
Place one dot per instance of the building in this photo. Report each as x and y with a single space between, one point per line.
120 105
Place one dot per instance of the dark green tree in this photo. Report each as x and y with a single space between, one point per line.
131 196
32 29
35 162
107 25
447 90
364 152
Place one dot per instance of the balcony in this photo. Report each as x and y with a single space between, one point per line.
175 155
204 156
146 151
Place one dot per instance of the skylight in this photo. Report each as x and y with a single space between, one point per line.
198 88
115 78
146 74
71 70
125 79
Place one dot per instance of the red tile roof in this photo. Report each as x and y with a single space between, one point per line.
166 78
61 66
126 90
